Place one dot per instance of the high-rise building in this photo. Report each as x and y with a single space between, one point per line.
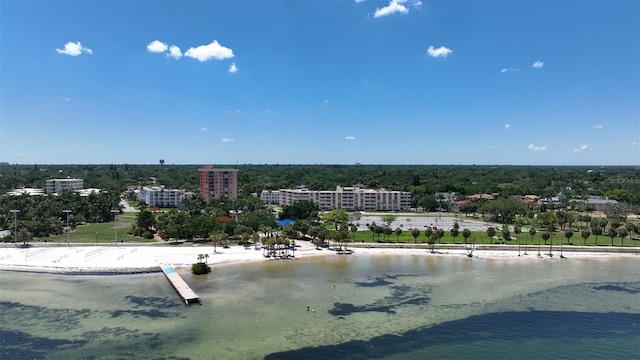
218 183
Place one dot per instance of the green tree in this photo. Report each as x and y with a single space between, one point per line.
585 235
454 233
415 233
491 232
300 210
336 217
622 233
398 232
612 232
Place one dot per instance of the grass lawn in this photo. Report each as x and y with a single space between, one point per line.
100 232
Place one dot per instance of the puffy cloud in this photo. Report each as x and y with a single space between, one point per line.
204 129
74 49
580 148
439 52
226 140
392 8
233 68
506 126
597 126
213 50
359 1
157 46
536 147
66 98
538 64
269 111
634 143
349 137
174 52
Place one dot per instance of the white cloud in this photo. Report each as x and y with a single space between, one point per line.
359 1
439 52
326 101
506 126
349 137
395 6
65 98
214 50
580 148
74 49
504 70
538 64
157 46
174 52
233 68
536 147
204 129
495 147
597 126
226 140
269 111
634 143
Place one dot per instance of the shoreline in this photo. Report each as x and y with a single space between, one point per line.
142 259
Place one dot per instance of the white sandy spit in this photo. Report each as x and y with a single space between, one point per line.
112 259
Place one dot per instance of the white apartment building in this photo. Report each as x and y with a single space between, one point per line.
270 196
55 186
160 196
349 199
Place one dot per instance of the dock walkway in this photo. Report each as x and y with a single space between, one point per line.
185 292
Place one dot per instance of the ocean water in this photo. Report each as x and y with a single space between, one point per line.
343 307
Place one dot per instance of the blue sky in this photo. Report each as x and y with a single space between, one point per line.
320 82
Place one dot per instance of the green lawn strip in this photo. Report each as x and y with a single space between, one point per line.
100 232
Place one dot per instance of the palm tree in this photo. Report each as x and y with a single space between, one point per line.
567 234
354 230
622 233
470 246
585 235
491 232
398 233
415 233
517 230
532 232
454 232
612 233
427 232
596 230
545 236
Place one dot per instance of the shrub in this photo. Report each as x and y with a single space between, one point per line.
200 268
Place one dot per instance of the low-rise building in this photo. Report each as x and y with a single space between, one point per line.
160 196
270 196
349 199
55 186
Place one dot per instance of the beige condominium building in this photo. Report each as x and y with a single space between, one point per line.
345 198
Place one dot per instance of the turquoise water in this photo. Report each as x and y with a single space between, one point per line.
360 307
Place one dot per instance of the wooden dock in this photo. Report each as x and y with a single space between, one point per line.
185 292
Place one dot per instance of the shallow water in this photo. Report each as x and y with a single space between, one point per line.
360 307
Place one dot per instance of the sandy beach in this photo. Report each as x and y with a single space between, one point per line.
127 259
